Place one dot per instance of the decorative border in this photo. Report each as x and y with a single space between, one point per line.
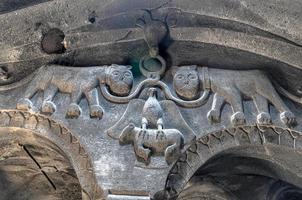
64 139
209 145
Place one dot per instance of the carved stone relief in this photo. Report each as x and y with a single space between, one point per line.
155 128
148 134
155 31
147 141
189 79
230 86
79 83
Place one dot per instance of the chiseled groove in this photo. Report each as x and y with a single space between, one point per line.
49 180
227 24
86 177
39 166
204 21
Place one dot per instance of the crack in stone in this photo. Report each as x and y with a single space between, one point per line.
39 166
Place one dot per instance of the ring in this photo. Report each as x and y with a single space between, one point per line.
150 73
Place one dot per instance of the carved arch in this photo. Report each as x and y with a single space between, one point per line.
208 146
63 138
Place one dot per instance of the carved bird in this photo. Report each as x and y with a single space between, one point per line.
152 110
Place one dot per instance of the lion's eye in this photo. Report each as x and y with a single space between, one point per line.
127 74
180 77
192 76
115 73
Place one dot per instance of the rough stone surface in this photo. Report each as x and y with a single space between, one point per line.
141 99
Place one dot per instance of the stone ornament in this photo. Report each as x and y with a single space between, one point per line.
156 82
199 115
154 127
153 141
148 141
149 133
79 83
186 82
155 31
232 87
227 86
149 73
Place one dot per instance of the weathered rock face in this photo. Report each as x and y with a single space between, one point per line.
144 99
34 168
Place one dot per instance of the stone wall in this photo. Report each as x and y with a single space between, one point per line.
155 99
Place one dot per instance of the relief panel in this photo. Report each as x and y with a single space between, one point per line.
149 123
79 83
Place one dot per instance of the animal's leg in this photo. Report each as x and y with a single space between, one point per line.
141 151
25 103
269 92
31 91
235 100
48 106
96 111
144 123
74 110
126 134
172 153
160 124
160 132
261 104
214 114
